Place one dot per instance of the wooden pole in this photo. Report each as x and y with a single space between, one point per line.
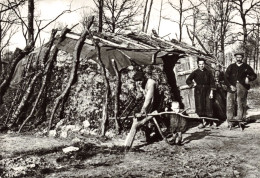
108 91
180 114
135 126
117 94
73 72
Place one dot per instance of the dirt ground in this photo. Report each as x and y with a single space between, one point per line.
208 152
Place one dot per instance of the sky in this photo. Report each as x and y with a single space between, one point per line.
49 9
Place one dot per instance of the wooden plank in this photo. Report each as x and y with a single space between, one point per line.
184 87
192 98
181 80
136 43
187 72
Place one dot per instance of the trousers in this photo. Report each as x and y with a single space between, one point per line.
237 103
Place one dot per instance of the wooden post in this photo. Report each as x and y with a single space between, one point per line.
73 72
104 113
117 94
131 135
108 91
135 126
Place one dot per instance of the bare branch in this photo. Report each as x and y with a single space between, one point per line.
11 5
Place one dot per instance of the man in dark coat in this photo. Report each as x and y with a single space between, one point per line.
237 77
203 81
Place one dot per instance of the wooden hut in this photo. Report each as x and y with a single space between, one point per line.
178 58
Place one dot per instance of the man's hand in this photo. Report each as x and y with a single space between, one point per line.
247 80
194 84
211 94
233 88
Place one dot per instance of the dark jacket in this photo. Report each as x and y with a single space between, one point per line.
202 78
235 73
205 82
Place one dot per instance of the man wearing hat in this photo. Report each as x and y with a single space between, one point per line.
237 77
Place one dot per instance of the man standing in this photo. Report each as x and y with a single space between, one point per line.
203 81
237 77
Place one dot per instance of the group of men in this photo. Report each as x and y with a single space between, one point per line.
236 78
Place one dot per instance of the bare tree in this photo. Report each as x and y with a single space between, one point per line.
119 14
32 26
245 8
225 17
7 30
213 26
11 5
195 12
181 8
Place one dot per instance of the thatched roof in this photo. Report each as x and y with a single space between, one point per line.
126 49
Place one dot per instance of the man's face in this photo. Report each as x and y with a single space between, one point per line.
201 65
239 58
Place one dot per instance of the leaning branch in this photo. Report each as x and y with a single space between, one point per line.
46 70
17 56
73 73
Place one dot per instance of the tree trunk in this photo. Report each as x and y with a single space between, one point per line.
180 21
73 72
30 22
1 71
144 16
245 39
160 17
113 17
148 16
100 15
194 26
257 43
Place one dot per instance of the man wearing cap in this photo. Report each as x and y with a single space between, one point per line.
237 77
203 81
